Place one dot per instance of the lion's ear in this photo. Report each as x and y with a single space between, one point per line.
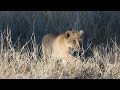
81 32
67 34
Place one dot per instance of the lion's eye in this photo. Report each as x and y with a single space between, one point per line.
74 41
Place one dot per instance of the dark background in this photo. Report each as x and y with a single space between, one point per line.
99 26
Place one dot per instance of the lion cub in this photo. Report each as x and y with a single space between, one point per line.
59 46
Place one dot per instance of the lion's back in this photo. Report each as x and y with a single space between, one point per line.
47 43
48 39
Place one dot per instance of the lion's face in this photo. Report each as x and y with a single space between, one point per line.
74 39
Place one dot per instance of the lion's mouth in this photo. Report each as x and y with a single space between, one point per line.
73 49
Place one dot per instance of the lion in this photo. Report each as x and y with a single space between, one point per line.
60 46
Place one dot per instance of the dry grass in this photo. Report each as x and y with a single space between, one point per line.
25 63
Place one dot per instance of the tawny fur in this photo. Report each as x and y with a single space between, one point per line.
57 46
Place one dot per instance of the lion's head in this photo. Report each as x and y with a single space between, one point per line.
73 39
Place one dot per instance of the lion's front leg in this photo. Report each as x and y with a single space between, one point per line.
69 58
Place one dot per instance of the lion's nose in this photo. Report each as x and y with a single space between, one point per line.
78 48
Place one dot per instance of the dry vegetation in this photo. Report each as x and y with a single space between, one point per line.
25 63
